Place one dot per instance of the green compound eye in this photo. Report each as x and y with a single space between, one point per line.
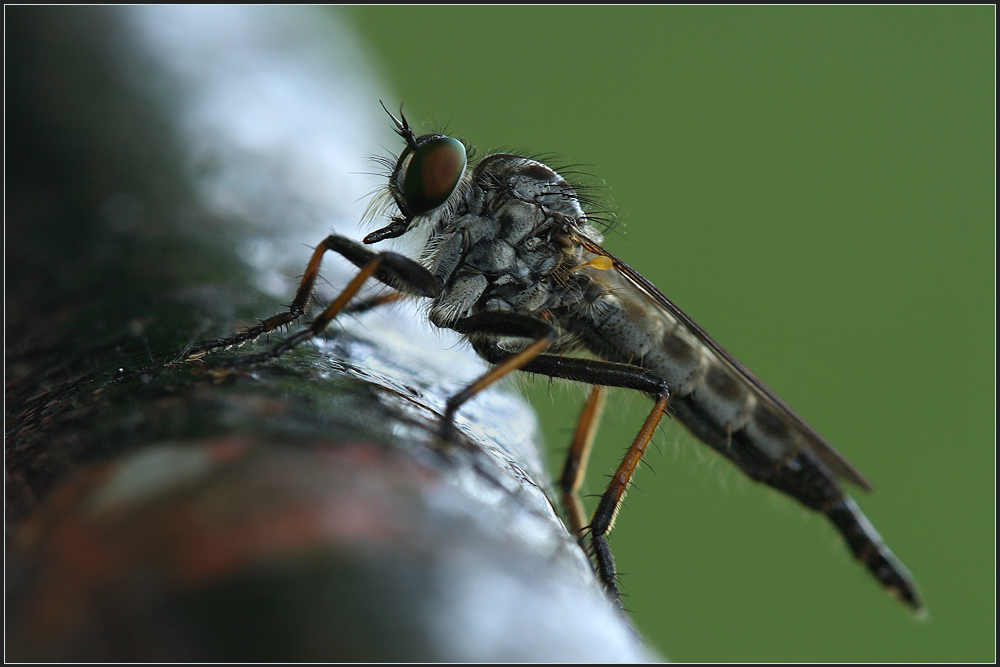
427 176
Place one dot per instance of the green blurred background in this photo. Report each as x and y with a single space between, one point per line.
815 187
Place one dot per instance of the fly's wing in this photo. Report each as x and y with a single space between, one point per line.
830 456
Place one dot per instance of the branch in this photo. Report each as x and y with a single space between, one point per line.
303 510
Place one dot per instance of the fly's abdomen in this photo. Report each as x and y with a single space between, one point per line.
725 409
624 327
717 404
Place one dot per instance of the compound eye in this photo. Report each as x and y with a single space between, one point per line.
431 174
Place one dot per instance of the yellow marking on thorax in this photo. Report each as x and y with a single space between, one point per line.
601 263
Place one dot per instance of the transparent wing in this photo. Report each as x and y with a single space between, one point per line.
824 450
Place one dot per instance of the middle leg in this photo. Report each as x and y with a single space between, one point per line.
600 374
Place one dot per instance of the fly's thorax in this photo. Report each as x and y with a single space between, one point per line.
516 175
506 242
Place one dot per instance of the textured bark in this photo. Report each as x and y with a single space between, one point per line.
301 510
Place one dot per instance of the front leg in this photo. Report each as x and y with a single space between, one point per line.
392 269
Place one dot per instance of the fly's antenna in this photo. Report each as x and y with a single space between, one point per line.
402 127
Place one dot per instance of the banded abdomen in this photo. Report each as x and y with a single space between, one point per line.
625 319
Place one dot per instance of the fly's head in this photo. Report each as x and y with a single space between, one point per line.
464 214
425 177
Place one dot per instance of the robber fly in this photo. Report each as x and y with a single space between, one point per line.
511 262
